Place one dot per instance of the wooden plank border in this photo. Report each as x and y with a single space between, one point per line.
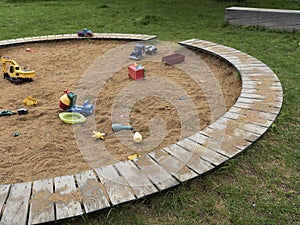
62 197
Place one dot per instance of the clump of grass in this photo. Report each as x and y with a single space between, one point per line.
103 6
146 20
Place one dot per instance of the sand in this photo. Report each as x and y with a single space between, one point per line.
46 147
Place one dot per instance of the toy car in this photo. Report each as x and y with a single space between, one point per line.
150 49
22 111
85 33
6 113
140 50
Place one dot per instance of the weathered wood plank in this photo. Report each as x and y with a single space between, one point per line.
17 204
41 207
136 178
4 190
246 112
158 175
175 167
93 197
191 152
243 125
116 186
66 197
254 118
209 153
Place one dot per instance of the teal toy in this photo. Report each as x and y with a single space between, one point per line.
118 127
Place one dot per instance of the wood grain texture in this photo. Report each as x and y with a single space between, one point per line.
93 197
67 199
17 206
41 207
115 185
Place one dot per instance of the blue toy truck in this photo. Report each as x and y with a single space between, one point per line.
140 50
85 33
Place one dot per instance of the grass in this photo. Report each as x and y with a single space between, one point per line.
261 186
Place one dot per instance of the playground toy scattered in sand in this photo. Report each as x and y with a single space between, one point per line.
85 33
12 71
30 101
68 103
71 117
98 135
136 71
140 50
6 112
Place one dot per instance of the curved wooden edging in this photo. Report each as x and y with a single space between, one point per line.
71 195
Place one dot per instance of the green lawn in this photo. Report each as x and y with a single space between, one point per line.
261 186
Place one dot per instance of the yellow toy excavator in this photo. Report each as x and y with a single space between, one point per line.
14 73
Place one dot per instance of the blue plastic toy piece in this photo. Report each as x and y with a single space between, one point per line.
87 108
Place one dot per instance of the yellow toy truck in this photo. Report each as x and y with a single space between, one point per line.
12 71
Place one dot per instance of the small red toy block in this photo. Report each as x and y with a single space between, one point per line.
136 72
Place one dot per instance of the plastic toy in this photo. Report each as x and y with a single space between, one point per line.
98 135
134 156
15 74
137 137
68 103
22 111
136 72
140 50
30 101
118 127
7 113
85 33
173 59
72 118
86 109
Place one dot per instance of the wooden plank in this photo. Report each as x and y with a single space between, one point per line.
207 153
200 138
252 117
17 204
243 125
178 152
174 166
198 164
4 190
66 197
254 96
93 197
189 152
267 115
41 207
136 178
158 175
248 100
116 186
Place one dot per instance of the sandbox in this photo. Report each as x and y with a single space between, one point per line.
89 187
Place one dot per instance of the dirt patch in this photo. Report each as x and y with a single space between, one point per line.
46 147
